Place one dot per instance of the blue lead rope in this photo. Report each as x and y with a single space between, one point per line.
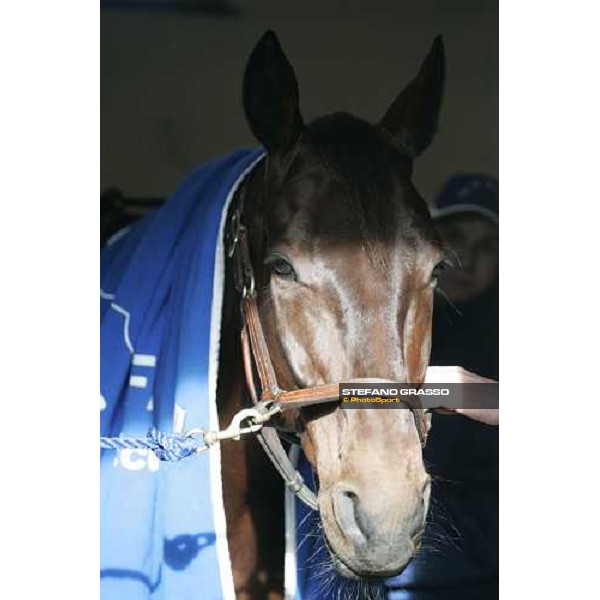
166 446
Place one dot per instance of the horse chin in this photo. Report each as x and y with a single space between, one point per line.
355 573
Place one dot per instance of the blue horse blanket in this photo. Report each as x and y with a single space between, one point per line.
162 524
163 530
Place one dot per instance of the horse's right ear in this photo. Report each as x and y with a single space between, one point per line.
271 96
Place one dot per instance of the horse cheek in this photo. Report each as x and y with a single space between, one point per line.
418 339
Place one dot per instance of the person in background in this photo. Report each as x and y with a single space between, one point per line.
465 319
459 555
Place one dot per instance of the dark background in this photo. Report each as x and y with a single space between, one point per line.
171 78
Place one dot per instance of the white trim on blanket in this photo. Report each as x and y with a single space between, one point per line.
216 487
290 582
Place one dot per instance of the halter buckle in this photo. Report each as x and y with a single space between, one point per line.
234 233
249 286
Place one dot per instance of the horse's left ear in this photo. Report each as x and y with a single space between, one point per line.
271 96
413 117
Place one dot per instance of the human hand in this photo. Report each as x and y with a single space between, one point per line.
472 406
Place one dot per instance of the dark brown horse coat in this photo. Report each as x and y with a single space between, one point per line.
345 257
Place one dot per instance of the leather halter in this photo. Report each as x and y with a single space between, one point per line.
256 356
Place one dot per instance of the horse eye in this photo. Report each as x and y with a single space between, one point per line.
281 267
437 270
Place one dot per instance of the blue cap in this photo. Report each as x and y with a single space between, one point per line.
468 193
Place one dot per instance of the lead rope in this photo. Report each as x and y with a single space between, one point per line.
167 447
176 446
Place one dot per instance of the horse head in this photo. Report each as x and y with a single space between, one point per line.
346 260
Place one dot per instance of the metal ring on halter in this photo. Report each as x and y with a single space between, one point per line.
235 233
268 408
249 292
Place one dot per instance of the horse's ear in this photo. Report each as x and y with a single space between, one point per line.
271 96
413 116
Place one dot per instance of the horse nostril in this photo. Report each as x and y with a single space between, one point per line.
353 521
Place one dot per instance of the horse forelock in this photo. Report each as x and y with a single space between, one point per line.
343 179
